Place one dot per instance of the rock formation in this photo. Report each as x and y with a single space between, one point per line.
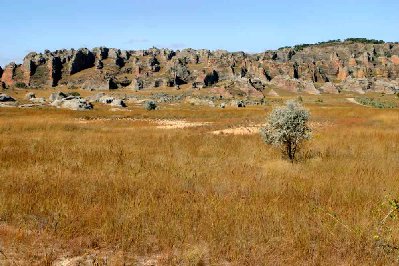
323 68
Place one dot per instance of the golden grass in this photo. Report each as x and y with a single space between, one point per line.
133 193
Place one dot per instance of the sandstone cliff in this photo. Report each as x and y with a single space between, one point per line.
325 68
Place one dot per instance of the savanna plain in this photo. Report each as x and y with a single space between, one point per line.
191 185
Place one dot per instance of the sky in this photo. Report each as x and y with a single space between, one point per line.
235 25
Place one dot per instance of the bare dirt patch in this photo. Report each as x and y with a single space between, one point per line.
177 124
250 130
254 129
158 123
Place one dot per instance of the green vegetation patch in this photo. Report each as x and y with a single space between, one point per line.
20 85
375 103
300 47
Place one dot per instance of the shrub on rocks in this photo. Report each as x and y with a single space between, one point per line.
150 105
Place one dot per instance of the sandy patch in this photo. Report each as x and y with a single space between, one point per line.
254 129
249 130
178 124
103 119
320 125
158 123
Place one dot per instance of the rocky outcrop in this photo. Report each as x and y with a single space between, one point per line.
9 77
71 102
99 84
355 85
385 86
30 95
6 98
7 101
57 96
206 79
180 72
326 68
81 59
329 87
105 99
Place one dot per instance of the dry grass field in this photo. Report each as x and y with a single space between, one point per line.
116 188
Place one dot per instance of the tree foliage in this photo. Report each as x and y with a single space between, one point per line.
300 47
287 127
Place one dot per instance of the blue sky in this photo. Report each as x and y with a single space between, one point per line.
244 25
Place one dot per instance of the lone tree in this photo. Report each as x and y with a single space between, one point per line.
287 127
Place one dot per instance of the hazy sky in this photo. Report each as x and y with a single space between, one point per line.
236 25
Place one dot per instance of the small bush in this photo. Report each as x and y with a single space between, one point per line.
150 105
20 85
287 127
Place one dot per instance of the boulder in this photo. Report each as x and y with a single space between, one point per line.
118 103
106 99
57 96
39 100
30 95
73 103
6 98
102 98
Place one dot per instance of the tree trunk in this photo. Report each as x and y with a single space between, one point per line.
289 151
